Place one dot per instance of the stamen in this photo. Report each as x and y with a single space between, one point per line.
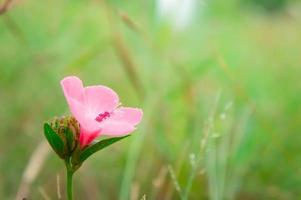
102 116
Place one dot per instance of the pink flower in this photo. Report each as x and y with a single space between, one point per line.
96 109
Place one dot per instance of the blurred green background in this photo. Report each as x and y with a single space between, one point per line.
220 92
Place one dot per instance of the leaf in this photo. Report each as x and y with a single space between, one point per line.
98 146
54 140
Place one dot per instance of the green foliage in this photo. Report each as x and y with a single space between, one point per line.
93 148
54 140
269 5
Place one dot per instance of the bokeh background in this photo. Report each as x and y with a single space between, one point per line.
219 83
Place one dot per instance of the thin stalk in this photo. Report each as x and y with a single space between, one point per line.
70 172
69 185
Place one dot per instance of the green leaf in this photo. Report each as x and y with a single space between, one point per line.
54 140
98 146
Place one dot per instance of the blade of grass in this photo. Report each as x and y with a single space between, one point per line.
134 151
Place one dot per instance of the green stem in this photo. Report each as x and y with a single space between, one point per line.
70 172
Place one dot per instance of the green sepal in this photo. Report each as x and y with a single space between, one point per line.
69 139
75 158
87 152
54 140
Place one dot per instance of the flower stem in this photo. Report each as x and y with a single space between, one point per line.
70 172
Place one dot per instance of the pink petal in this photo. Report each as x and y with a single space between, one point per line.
125 114
86 137
77 110
73 88
99 99
90 125
116 128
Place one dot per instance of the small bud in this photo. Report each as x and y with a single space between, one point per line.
67 128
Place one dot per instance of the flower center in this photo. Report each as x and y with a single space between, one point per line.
102 116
